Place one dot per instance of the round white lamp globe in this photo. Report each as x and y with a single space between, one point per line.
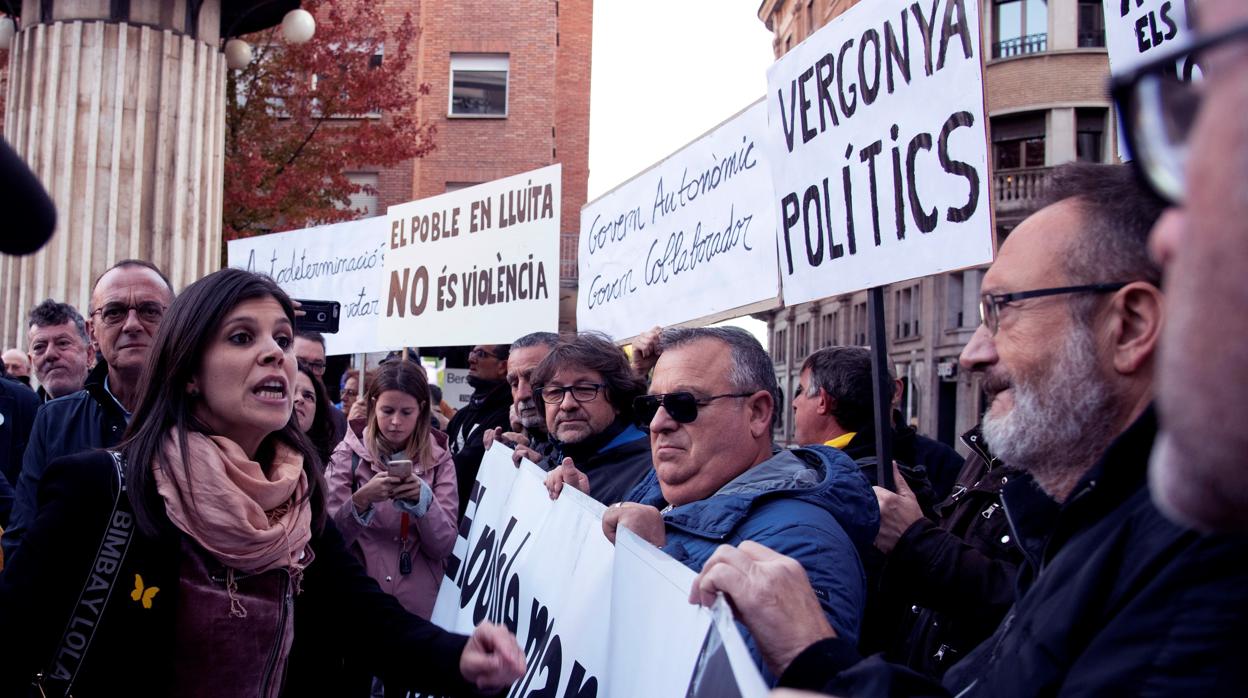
7 29
298 26
237 54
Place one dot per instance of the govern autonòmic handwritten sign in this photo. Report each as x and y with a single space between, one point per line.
340 262
479 265
877 148
691 237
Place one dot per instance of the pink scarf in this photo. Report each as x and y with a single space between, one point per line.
223 500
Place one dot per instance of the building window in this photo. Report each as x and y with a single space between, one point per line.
366 201
1089 134
456 186
1091 24
906 307
1018 141
962 299
803 341
828 329
1020 27
779 346
860 324
479 84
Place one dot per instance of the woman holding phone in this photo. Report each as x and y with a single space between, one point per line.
392 488
196 559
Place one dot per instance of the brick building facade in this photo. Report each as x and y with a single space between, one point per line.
509 92
1047 104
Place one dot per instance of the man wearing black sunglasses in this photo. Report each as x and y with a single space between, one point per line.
1113 597
1190 142
717 477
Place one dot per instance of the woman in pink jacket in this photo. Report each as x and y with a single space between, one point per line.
402 528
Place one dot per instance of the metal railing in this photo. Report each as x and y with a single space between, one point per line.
1032 43
1018 192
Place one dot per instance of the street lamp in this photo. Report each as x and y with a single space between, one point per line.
298 26
7 29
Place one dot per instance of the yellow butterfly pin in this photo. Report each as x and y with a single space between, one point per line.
141 593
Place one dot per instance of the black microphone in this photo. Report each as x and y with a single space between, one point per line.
29 215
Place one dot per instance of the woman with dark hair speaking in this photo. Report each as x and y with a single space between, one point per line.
196 560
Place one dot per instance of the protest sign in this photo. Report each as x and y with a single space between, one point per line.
878 150
545 570
1137 30
689 238
475 266
456 391
340 262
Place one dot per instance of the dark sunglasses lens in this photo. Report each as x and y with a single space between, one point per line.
683 407
645 407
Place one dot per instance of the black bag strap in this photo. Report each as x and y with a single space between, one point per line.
63 668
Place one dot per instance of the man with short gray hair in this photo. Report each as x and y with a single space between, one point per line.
718 478
59 348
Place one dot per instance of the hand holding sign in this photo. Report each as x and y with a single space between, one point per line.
642 519
565 474
771 594
898 511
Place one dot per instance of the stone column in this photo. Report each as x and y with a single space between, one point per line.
123 121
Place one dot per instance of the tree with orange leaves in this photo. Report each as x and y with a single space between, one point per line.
300 117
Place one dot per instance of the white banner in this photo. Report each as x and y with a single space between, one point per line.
340 262
686 239
475 266
878 149
1137 30
594 620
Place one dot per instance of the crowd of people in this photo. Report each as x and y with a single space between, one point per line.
185 511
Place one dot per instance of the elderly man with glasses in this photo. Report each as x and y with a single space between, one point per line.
1113 598
127 305
718 478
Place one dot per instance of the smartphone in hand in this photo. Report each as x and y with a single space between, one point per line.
319 316
401 468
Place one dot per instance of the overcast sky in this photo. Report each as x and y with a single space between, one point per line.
665 72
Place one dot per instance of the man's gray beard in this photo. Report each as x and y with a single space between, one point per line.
1057 430
535 420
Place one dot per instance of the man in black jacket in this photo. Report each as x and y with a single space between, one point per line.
587 387
127 306
1114 598
18 405
487 409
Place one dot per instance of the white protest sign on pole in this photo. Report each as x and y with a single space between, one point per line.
475 266
689 238
878 150
1137 30
341 262
588 615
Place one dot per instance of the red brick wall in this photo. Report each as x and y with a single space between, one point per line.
549 46
572 74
